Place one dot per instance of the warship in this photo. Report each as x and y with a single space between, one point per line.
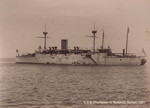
77 56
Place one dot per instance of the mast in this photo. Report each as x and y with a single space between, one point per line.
94 32
127 40
45 33
45 37
94 36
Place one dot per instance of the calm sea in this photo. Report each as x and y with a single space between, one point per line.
54 86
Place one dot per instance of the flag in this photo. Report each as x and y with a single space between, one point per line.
143 51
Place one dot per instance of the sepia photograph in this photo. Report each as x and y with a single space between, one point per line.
74 53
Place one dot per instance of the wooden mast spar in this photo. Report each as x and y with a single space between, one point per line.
127 40
45 37
94 36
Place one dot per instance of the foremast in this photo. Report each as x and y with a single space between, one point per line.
45 37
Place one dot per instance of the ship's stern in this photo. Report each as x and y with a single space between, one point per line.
143 61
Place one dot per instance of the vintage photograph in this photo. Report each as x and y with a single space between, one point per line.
74 54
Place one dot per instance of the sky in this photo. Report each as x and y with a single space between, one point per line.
21 21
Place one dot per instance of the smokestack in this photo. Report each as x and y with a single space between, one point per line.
64 44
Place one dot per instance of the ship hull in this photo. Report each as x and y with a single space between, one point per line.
81 59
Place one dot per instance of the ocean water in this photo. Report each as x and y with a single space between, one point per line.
57 86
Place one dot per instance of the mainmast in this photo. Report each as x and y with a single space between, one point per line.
94 36
94 32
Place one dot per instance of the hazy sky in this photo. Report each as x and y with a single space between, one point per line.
21 21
